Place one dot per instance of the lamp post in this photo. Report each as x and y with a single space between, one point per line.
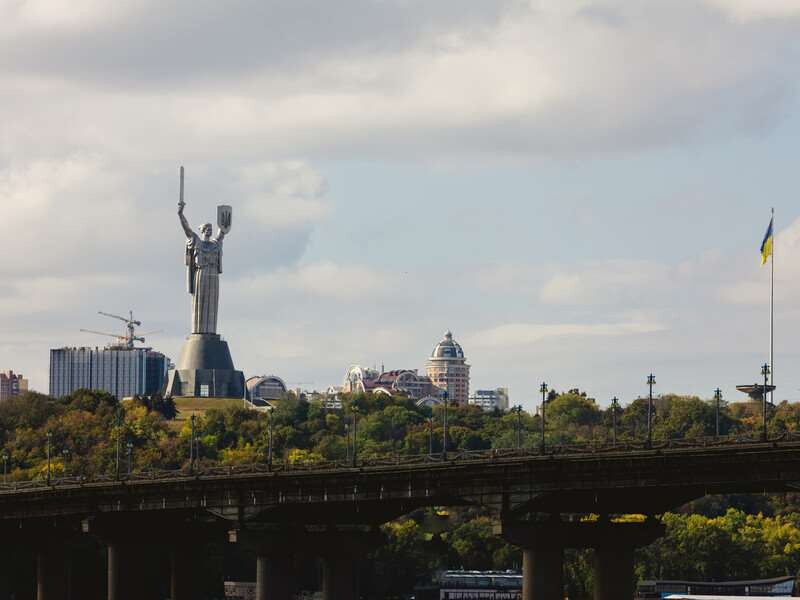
651 381
718 399
444 426
347 440
614 407
192 419
355 436
543 389
65 454
765 371
129 448
49 442
430 436
5 467
269 439
518 409
120 415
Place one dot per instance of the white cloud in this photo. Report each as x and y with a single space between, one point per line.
284 195
321 280
758 9
524 334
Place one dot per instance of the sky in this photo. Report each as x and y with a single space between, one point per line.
577 189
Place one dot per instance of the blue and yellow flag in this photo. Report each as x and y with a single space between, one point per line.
766 245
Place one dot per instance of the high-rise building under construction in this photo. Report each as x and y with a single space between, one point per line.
123 372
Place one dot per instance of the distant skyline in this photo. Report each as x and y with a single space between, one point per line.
577 189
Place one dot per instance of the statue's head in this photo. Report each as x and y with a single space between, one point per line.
206 230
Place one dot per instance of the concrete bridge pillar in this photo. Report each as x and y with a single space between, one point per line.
613 572
339 578
274 577
542 573
52 573
127 572
182 582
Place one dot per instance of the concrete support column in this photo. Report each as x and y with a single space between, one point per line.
339 578
127 575
274 577
52 574
613 573
182 581
543 573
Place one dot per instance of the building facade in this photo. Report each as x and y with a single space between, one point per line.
12 384
489 400
404 382
122 372
448 370
266 387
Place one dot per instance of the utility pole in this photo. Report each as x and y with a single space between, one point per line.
444 426
347 440
65 454
651 381
518 408
191 446
120 413
614 406
430 436
718 399
5 468
129 447
543 389
49 442
355 436
269 445
765 371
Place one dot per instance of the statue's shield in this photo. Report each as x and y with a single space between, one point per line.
224 218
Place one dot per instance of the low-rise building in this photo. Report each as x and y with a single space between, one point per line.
489 400
12 384
405 382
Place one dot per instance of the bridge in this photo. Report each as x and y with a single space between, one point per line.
332 511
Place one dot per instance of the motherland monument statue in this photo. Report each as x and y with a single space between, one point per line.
205 368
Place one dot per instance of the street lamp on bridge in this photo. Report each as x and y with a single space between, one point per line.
192 420
269 439
651 381
5 467
444 426
614 407
430 436
718 400
518 409
65 454
355 435
543 389
129 448
765 371
49 442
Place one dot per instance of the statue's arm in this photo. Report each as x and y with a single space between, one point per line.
220 235
185 224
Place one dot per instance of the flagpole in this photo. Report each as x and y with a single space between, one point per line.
772 315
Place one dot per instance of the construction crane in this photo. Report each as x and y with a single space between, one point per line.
131 324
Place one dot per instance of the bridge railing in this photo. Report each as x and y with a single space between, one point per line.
205 470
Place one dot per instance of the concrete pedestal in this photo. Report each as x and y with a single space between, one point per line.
52 574
182 580
613 573
205 368
542 574
339 578
274 578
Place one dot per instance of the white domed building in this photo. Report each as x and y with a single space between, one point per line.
448 369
